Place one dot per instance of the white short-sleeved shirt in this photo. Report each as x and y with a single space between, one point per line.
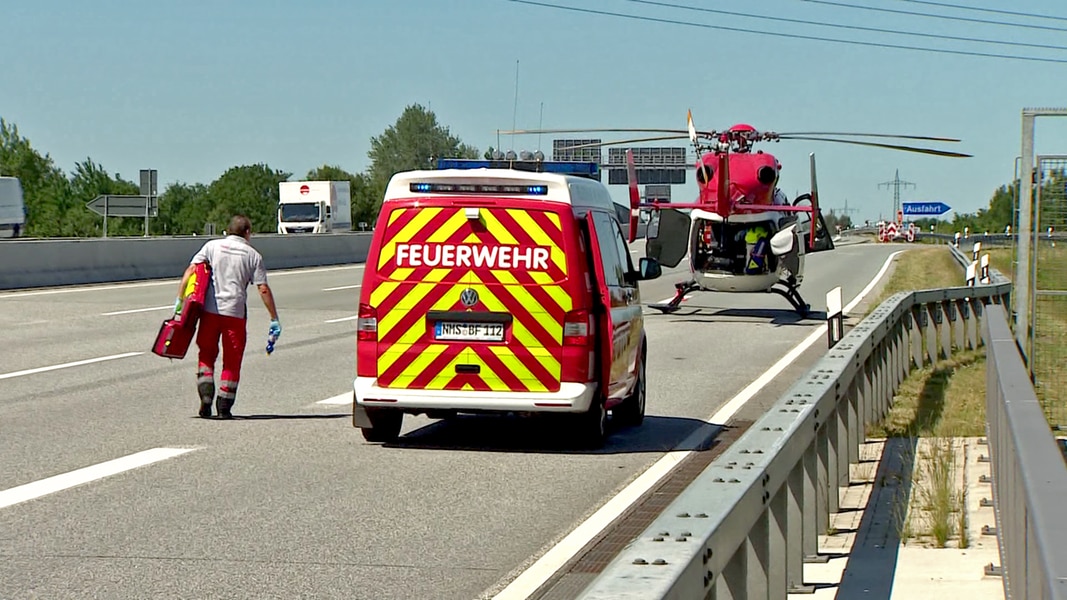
234 265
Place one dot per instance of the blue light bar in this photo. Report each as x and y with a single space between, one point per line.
469 188
584 169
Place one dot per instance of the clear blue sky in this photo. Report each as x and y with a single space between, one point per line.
192 88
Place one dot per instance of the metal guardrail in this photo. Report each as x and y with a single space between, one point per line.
744 526
1029 474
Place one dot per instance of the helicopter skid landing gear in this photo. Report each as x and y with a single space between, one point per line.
681 289
791 294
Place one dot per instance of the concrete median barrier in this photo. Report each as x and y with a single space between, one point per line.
46 263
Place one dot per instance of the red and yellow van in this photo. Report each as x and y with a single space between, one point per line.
499 290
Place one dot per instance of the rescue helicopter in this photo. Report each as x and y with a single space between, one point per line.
743 234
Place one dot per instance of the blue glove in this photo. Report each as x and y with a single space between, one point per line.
178 306
275 329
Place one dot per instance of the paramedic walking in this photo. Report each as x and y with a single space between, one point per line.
235 264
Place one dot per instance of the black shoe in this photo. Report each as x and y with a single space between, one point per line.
224 407
207 394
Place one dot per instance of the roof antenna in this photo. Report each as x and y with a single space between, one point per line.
515 111
540 123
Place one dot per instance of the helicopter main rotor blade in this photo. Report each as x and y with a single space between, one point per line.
658 138
595 130
879 135
889 146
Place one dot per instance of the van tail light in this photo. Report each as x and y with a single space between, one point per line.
367 323
579 346
578 328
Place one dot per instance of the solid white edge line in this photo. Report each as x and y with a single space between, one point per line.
43 487
92 287
339 399
66 365
352 318
135 310
551 561
343 287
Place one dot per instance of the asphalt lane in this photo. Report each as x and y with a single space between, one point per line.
288 500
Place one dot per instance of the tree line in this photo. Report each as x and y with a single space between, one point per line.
55 200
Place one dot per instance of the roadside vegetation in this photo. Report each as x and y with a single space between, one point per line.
934 407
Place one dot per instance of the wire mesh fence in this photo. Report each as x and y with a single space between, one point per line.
1049 299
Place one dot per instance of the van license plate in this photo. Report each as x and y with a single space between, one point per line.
481 332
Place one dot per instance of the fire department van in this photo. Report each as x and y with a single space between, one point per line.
500 289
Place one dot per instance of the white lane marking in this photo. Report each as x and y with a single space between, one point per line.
341 399
58 483
135 310
551 561
343 287
352 318
173 282
66 365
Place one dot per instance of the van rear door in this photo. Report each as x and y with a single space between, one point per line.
472 294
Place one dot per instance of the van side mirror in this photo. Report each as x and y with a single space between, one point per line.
648 268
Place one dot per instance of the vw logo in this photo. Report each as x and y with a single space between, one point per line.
469 297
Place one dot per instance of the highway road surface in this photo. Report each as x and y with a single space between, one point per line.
110 487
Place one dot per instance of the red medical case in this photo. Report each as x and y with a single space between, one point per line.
176 334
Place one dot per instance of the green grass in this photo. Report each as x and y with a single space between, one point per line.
922 268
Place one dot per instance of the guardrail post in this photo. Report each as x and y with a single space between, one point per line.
833 467
810 504
777 528
822 487
732 581
855 428
959 325
916 324
970 315
758 559
930 336
866 394
944 329
794 537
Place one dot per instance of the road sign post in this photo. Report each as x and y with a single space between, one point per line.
148 189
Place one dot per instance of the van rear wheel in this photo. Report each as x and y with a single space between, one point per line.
592 425
385 425
631 412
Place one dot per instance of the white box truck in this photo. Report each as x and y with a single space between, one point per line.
12 208
314 206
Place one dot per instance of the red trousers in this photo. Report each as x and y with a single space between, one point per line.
234 334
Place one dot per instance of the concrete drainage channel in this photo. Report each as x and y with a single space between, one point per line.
576 575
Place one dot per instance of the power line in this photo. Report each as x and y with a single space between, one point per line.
988 10
786 35
935 16
840 26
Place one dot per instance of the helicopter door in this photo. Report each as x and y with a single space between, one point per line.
823 239
668 241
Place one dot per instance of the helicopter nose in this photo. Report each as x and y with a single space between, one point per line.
766 175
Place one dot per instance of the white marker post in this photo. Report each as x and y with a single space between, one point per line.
956 240
835 317
971 270
977 249
985 268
